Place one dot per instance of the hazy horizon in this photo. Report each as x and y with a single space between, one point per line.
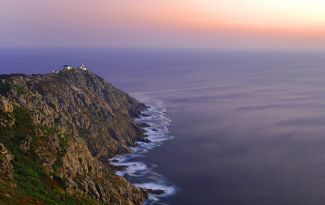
191 24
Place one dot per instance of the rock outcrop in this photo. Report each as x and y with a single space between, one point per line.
6 168
5 105
58 130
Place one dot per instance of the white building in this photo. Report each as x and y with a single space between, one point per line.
82 67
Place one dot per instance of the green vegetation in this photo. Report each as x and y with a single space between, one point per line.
5 88
33 185
64 138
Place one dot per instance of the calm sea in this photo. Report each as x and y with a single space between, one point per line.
248 127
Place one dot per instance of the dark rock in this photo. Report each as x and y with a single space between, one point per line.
145 115
156 191
146 140
144 125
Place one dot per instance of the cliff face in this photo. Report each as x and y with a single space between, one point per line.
56 130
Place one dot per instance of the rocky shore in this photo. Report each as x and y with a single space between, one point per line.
56 133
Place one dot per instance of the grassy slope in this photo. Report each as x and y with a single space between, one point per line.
33 186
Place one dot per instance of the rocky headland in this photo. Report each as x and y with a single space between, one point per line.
57 132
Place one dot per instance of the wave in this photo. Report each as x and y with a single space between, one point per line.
137 172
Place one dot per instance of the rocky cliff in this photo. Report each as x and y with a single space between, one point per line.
57 131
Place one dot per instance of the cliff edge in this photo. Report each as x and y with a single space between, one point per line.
56 133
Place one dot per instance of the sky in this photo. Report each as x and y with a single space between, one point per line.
219 24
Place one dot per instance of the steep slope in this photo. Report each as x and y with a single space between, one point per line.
56 130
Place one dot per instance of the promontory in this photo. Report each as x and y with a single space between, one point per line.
57 132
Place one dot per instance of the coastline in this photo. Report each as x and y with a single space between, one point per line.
154 122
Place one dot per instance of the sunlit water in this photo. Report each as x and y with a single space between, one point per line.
248 127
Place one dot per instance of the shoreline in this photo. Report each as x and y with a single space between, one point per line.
155 124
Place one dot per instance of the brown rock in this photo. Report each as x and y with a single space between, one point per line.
6 168
5 105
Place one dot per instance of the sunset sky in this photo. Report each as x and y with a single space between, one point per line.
233 24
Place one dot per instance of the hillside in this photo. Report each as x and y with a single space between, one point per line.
56 133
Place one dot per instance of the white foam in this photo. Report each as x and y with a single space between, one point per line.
140 174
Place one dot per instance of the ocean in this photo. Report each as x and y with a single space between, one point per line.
227 127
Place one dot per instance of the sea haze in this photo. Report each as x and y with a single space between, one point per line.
248 127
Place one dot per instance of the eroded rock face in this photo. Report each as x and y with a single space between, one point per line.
69 124
82 104
6 168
